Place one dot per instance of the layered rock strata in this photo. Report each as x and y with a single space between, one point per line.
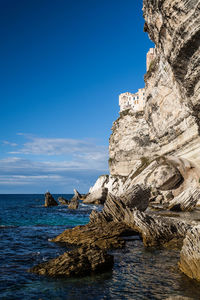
155 231
170 124
76 263
190 254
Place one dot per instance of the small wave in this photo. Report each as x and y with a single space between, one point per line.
8 226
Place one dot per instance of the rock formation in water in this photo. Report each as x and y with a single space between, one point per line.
49 200
74 202
78 262
63 201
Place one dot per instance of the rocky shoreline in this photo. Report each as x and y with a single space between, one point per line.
153 189
145 209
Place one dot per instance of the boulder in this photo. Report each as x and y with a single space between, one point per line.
186 201
190 254
78 262
136 197
49 200
63 201
165 177
97 196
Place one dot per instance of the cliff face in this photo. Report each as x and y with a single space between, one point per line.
171 121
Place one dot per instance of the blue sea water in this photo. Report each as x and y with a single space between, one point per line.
25 229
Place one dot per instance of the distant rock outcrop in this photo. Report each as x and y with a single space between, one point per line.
74 202
49 200
63 201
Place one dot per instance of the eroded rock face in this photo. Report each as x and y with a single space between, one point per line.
128 142
190 254
78 262
49 200
96 197
172 85
165 177
170 124
186 201
155 230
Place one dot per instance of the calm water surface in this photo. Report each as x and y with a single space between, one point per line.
25 228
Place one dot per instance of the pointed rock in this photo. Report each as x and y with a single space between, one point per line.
49 200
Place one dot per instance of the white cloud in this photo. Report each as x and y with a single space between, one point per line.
62 146
9 143
59 164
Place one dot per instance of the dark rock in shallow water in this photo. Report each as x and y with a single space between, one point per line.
105 235
74 203
190 254
78 262
63 201
49 200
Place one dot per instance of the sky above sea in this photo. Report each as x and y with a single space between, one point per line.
63 64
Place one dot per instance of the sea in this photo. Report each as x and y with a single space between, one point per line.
26 228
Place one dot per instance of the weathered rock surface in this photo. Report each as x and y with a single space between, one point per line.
78 262
155 230
103 234
128 142
137 197
170 124
63 201
190 254
114 184
49 200
186 201
96 197
74 202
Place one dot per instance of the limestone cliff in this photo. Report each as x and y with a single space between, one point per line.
170 124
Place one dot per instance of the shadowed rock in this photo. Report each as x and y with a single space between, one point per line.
78 262
136 197
63 201
49 200
186 201
190 254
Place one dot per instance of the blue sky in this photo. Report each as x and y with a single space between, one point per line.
63 64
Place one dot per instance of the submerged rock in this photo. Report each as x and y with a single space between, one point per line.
63 201
49 200
186 201
190 254
78 262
